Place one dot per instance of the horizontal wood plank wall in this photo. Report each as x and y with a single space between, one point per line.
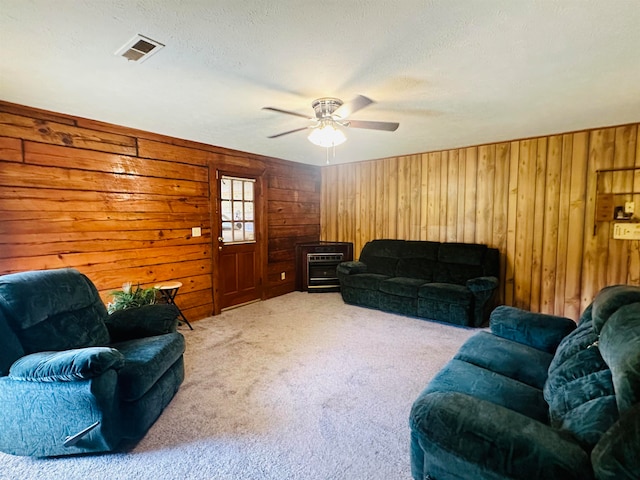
533 199
118 204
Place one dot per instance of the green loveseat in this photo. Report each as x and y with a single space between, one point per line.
537 398
447 282
74 379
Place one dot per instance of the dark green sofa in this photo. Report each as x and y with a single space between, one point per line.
537 398
74 379
447 282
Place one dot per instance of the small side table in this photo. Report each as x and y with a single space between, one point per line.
169 290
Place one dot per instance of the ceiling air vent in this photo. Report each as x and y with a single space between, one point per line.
139 48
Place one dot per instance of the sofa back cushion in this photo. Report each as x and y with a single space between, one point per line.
420 249
381 256
10 347
579 388
459 262
419 259
421 268
53 310
594 377
455 273
620 347
610 299
462 253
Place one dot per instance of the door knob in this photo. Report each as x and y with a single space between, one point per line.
221 240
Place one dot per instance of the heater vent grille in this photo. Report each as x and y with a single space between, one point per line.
139 48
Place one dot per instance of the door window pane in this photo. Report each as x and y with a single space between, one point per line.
237 189
248 191
225 188
237 209
248 231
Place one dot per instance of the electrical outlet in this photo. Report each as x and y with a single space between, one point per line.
196 231
283 275
629 207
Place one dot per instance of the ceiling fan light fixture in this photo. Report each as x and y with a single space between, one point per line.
327 136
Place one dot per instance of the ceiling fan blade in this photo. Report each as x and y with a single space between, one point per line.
387 126
354 105
288 112
290 131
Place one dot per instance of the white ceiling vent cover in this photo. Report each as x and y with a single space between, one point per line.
139 48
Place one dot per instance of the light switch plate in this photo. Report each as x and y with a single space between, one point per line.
196 231
629 207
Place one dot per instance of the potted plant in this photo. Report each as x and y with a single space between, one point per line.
131 297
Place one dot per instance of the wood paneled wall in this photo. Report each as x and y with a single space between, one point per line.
533 199
293 209
118 204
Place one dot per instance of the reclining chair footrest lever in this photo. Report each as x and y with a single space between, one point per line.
73 439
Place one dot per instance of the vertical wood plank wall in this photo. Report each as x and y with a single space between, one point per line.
533 199
118 204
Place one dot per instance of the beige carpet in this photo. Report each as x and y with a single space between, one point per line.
297 387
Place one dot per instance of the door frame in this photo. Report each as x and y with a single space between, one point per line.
216 170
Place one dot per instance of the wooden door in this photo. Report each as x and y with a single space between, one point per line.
239 265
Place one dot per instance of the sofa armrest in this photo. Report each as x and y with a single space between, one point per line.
538 330
66 366
480 285
146 321
351 268
478 439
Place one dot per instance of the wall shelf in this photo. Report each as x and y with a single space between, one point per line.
606 201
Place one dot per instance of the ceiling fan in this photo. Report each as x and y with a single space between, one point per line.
331 113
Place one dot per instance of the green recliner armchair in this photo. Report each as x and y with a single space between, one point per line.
74 379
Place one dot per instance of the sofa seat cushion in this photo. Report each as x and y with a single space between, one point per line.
146 360
446 293
367 281
506 357
402 286
478 382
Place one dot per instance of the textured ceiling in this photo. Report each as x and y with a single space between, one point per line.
452 72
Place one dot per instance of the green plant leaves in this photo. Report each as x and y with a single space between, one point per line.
132 298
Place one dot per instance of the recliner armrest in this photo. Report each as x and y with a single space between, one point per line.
66 366
538 330
351 268
146 321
